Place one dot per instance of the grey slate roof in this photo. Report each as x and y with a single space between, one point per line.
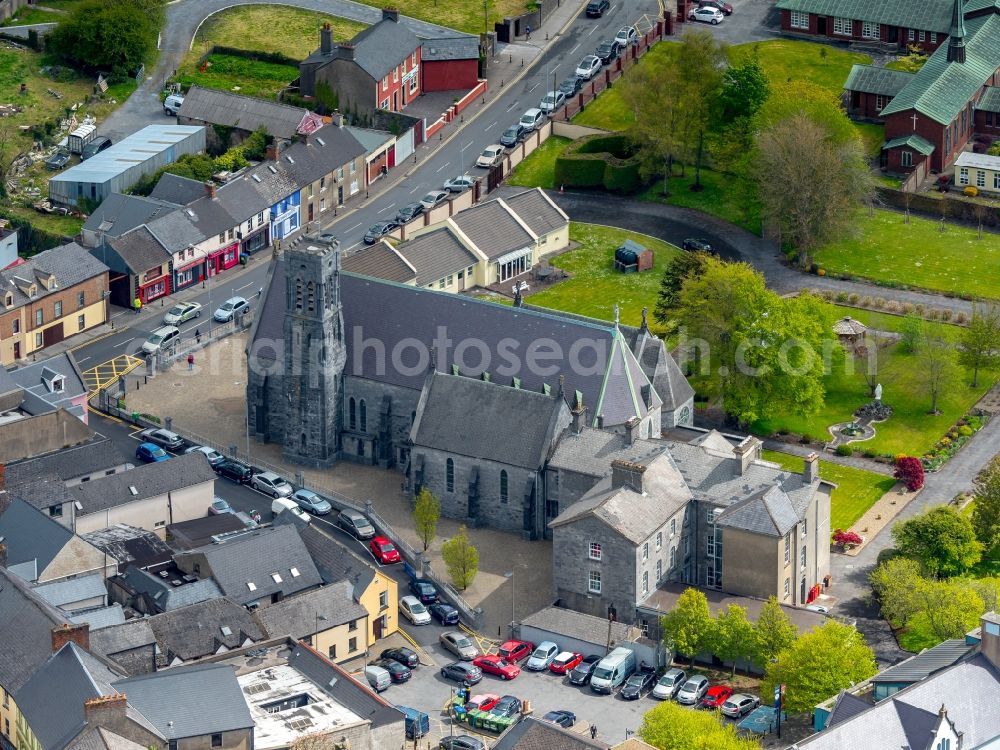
381 261
31 535
195 222
165 595
104 617
335 561
296 615
71 264
874 80
990 101
591 451
139 249
199 531
537 211
243 112
43 492
513 426
493 229
534 734
255 557
929 15
197 630
847 706
767 511
100 738
61 593
127 636
177 189
26 621
77 461
668 380
372 140
382 46
450 48
926 662
128 544
578 625
435 255
119 213
149 480
174 700
36 381
325 151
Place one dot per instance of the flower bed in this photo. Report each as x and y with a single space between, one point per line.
952 442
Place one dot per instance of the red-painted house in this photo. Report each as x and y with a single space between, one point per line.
450 64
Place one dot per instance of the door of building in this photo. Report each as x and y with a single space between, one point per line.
340 195
802 591
52 334
379 626
821 25
17 350
395 100
461 280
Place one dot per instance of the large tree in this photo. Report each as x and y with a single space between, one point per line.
461 559
688 627
112 36
701 62
733 638
980 341
426 512
937 364
669 726
744 89
683 266
773 632
986 511
952 608
895 584
941 540
818 665
808 202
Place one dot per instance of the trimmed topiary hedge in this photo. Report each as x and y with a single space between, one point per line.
599 161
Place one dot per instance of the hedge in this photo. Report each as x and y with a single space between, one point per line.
599 161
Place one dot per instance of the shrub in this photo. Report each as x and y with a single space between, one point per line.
961 318
946 314
599 161
893 306
869 453
821 272
866 301
846 539
853 298
842 296
944 442
919 309
965 430
813 267
907 308
933 313
972 191
910 471
879 302
845 450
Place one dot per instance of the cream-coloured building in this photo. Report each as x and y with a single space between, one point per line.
980 171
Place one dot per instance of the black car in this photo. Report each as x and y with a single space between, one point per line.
565 719
58 160
637 684
596 8
508 707
380 230
234 470
571 86
696 243
405 656
397 672
462 671
580 674
424 590
608 50
95 147
461 742
444 613
409 212
513 135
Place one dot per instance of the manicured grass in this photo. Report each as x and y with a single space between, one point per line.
231 73
872 136
463 15
918 254
857 489
595 287
719 197
538 170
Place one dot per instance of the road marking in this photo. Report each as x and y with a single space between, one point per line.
107 373
351 229
533 88
442 167
81 360
468 144
511 107
387 208
574 49
592 31
126 343
415 189
491 125
245 286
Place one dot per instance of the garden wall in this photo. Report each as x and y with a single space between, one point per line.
957 209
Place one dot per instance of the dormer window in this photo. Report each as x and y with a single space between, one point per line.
57 384
8 300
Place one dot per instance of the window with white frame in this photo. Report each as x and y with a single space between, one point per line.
933 37
673 526
963 175
843 26
413 59
922 36
788 547
384 104
395 74
880 101
594 553
659 539
799 20
673 557
802 558
906 158
910 35
659 569
996 180
385 83
980 178
594 582
805 526
871 30
645 582
645 551
788 587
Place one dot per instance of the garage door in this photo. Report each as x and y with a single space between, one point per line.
404 146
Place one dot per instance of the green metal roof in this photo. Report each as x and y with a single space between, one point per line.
941 89
872 80
929 15
971 6
917 142
990 101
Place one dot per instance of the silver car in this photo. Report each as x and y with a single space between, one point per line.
213 456
312 502
271 484
182 312
459 644
693 690
669 684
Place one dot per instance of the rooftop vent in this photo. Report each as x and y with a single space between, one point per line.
255 178
133 490
226 630
176 582
163 574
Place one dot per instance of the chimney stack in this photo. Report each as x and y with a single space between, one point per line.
326 39
79 634
390 14
810 473
338 119
627 473
632 430
345 51
210 189
579 413
107 711
745 453
989 638
273 149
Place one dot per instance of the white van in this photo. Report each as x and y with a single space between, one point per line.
613 670
172 105
377 677
282 504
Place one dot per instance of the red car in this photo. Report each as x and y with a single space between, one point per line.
515 651
725 7
564 662
483 702
716 696
494 664
384 550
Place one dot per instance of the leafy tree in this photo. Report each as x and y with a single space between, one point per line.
426 513
733 639
687 628
895 585
701 63
819 664
952 608
670 726
980 341
937 362
910 472
941 540
686 265
910 333
986 512
114 36
988 589
744 89
461 559
773 632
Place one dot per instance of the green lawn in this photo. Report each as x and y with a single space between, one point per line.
717 198
917 254
857 489
595 287
231 73
538 170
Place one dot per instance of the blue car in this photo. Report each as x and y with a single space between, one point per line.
444 613
151 453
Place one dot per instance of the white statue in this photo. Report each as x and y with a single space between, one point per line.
878 392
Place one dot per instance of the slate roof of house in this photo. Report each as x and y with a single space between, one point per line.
929 15
381 261
940 89
582 627
71 264
174 700
335 561
43 492
200 629
104 617
513 426
296 615
450 48
979 161
382 46
538 211
139 249
61 593
969 690
255 558
199 531
257 189
37 383
871 79
177 189
591 451
767 511
668 381
31 536
372 140
634 514
99 738
990 101
927 662
69 463
243 112
493 229
435 255
128 544
917 142
535 734
164 594
191 224
119 213
117 639
326 150
846 707
149 480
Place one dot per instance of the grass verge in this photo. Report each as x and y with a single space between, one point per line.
717 197
538 170
231 73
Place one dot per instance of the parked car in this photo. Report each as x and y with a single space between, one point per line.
638 684
706 14
219 507
515 651
96 146
461 671
409 212
565 719
532 119
693 690
513 135
459 644
596 8
482 701
627 35
271 484
234 471
151 454
398 672
311 502
181 313
403 655
669 683
424 590
490 157
172 104
163 438
739 705
434 198
162 338
542 656
564 662
716 696
571 86
697 243
379 230
726 8
552 101
588 67
378 678
286 505
411 608
444 613
356 524
458 184
231 308
384 550
461 742
608 50
58 160
508 706
580 674
495 665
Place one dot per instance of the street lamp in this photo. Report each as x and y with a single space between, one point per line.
510 574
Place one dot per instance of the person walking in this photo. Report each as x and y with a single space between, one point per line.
197 335
527 33
137 305
190 361
593 731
